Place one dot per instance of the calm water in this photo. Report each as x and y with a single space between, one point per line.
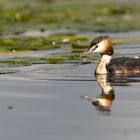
42 102
33 107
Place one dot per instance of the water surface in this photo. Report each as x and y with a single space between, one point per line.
43 101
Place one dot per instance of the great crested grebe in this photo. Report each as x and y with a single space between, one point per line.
122 65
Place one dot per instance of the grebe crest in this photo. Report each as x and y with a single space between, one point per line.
103 46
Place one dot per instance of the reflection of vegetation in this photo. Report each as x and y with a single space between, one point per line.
17 16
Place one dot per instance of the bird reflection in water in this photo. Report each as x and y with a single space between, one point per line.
103 102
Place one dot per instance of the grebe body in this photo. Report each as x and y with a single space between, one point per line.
122 65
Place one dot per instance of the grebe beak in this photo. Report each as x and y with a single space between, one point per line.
89 51
86 53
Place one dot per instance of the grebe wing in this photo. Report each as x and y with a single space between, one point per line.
124 65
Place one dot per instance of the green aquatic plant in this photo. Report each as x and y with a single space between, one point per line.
70 46
56 59
17 17
22 44
7 71
38 43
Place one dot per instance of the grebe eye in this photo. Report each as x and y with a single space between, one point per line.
96 46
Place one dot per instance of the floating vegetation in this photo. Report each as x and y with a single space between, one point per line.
44 15
73 44
22 44
126 41
7 71
70 47
38 43
41 15
15 62
57 59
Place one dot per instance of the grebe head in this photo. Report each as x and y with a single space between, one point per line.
99 45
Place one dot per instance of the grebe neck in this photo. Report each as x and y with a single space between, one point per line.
102 66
